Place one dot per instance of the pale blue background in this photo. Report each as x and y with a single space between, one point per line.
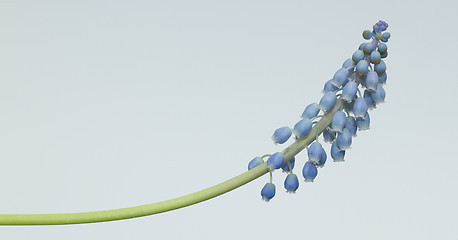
110 104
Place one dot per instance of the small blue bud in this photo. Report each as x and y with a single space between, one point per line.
344 140
275 161
386 35
281 135
384 55
340 77
337 154
338 121
362 67
363 124
291 183
311 111
371 80
379 95
285 167
350 124
357 56
314 152
329 87
255 162
382 48
302 127
268 192
349 91
375 57
367 34
380 67
327 101
309 171
368 48
328 135
360 107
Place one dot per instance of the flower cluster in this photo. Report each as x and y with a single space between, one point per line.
364 72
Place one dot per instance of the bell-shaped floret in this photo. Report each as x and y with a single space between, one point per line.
291 183
255 162
338 121
309 171
340 77
344 140
360 107
349 91
281 135
327 101
311 111
302 127
275 161
363 123
337 154
268 192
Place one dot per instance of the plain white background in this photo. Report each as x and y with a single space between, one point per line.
111 104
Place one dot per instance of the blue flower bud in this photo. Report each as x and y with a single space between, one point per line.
382 48
328 135
360 107
367 34
350 124
344 140
340 77
349 91
379 95
281 135
337 154
275 161
255 162
309 171
285 167
357 56
382 78
380 67
350 65
291 183
338 121
384 55
363 124
327 101
314 152
268 192
368 48
362 67
386 35
302 127
375 57
329 87
371 80
311 111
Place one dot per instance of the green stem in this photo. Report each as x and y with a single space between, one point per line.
172 204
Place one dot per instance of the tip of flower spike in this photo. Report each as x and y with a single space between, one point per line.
380 26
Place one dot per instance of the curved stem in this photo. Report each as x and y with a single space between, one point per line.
172 204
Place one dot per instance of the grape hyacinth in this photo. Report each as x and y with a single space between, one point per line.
344 111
